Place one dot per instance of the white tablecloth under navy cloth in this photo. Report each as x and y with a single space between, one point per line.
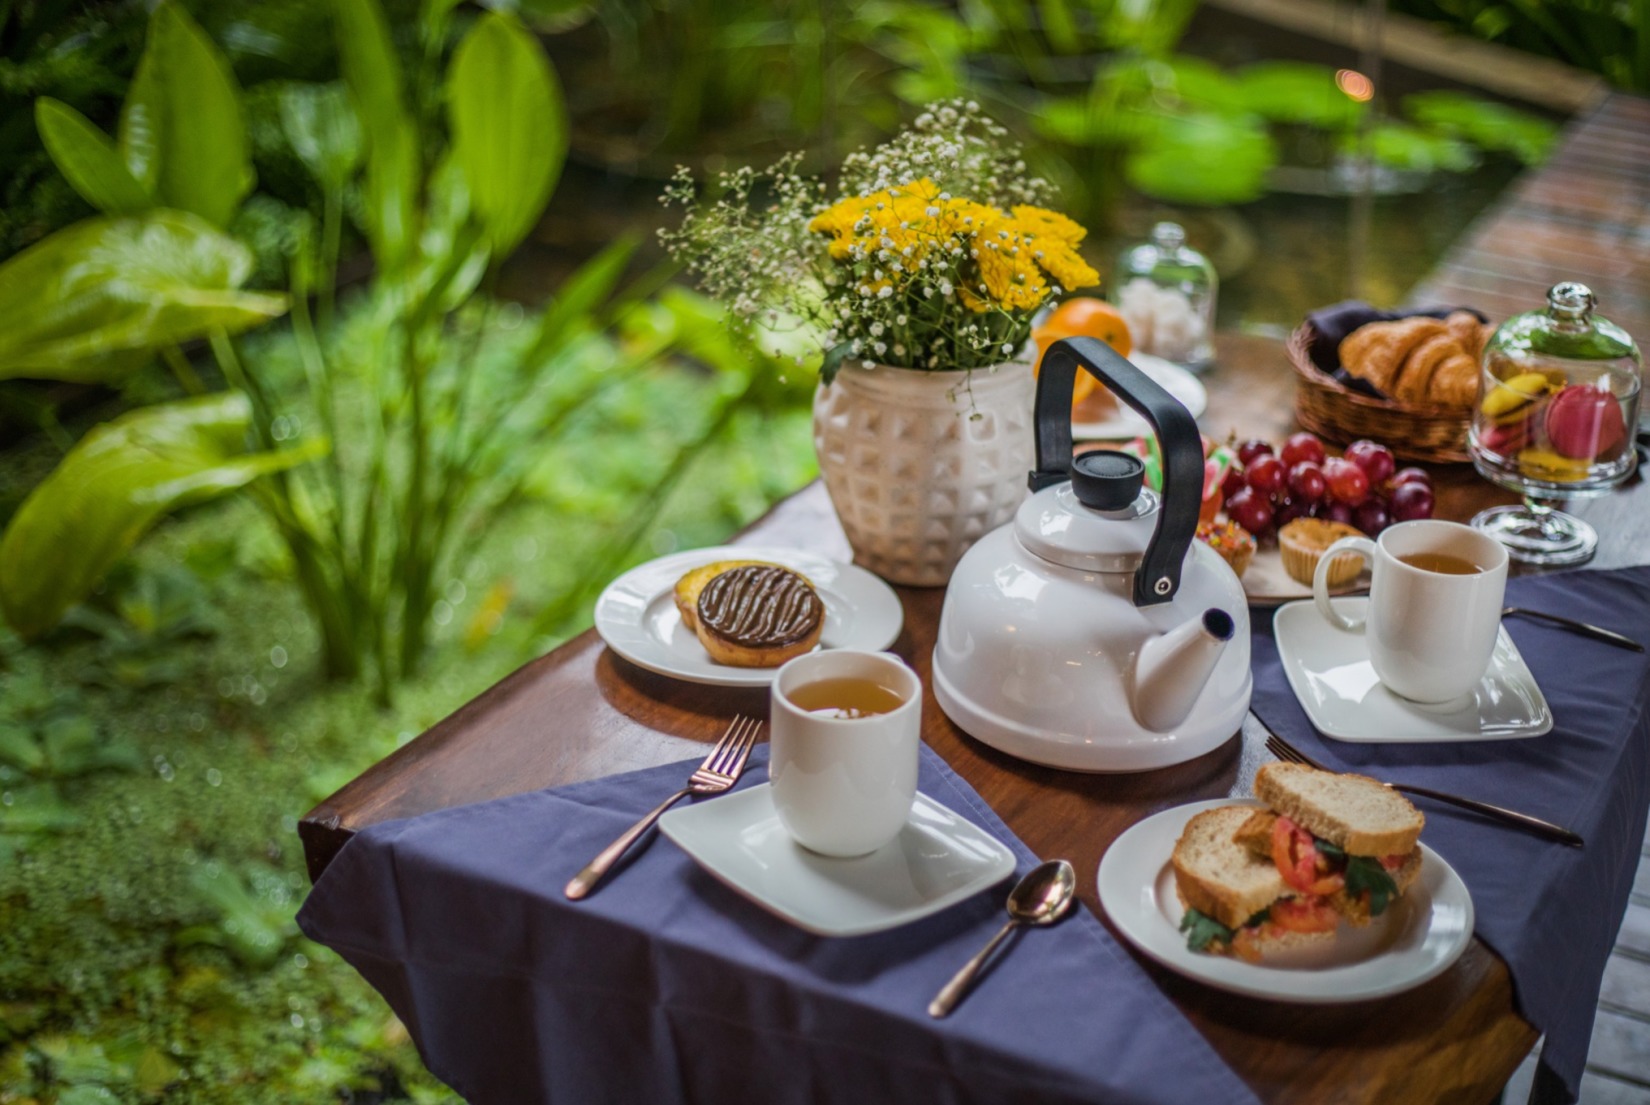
1549 911
666 987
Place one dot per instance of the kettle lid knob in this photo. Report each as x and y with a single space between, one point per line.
1107 479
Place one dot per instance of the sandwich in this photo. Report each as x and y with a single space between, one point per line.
1326 848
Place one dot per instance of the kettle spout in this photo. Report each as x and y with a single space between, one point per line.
1170 671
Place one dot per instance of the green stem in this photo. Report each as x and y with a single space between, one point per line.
183 370
415 606
331 235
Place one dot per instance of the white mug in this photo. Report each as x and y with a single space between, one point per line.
1430 634
844 786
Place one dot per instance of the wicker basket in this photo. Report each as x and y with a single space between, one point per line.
1334 412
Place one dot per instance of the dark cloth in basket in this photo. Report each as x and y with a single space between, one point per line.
1331 325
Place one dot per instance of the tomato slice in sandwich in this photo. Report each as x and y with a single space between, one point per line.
1298 860
1304 915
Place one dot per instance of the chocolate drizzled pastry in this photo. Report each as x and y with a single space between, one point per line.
758 616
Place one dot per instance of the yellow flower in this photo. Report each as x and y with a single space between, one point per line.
894 231
896 214
1053 239
1007 268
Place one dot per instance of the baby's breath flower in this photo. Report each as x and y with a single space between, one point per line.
892 268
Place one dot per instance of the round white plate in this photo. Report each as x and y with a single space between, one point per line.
637 616
1416 939
1125 423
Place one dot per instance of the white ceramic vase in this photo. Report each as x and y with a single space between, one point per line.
920 465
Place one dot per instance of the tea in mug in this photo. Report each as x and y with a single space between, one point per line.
845 699
1442 563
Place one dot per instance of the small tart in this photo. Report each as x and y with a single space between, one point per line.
689 586
1235 544
1303 543
758 616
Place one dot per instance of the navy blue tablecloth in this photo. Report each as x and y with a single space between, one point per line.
666 987
1551 912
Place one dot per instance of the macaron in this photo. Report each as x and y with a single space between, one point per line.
1584 423
1510 397
1544 464
1506 438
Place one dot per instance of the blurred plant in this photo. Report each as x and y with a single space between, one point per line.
417 443
1188 132
934 256
253 912
1609 37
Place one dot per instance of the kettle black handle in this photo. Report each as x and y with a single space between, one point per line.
1178 440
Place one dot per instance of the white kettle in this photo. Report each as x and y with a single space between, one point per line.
1093 632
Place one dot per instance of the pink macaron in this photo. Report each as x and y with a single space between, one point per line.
1585 423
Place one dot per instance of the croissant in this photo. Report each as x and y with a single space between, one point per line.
1419 360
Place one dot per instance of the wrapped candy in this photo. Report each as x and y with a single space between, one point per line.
1217 460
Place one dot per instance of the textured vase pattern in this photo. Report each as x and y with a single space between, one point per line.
920 465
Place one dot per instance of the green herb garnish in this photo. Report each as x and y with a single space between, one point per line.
1363 873
1366 874
1202 930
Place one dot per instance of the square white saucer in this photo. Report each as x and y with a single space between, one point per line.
937 860
1330 672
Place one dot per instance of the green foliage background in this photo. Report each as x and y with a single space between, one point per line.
149 879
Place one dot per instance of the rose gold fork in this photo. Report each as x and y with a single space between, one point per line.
720 770
1283 750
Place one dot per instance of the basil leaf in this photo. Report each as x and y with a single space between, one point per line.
1202 930
1328 850
1366 874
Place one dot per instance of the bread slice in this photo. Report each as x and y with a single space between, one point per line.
1353 812
1216 875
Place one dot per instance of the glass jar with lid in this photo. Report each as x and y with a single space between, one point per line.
1165 291
1558 405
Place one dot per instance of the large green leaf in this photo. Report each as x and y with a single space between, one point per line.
509 126
181 129
96 296
394 165
88 159
1489 125
112 486
322 129
1297 92
1203 158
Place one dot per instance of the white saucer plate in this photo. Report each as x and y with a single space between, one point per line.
1330 672
1416 939
636 615
937 860
1125 423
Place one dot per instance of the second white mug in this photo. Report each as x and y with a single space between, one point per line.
843 785
1435 597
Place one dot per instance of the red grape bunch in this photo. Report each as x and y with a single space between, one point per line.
1364 487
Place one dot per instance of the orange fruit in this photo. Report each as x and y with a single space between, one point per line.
1084 317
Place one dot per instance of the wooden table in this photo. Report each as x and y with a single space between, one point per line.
581 712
